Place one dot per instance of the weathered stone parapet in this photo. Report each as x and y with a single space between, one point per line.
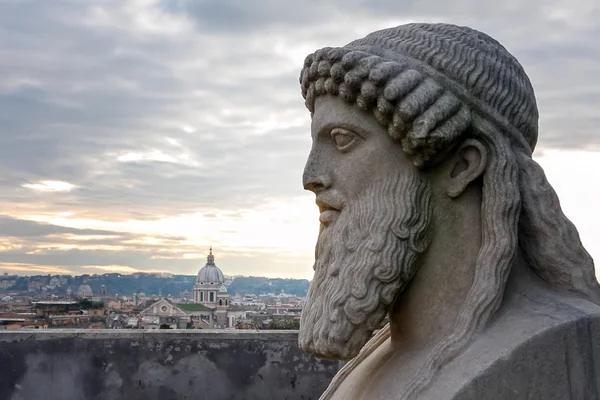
159 364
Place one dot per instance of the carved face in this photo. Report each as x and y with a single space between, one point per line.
374 219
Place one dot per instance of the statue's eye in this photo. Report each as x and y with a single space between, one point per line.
343 138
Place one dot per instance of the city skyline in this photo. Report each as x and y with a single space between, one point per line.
138 133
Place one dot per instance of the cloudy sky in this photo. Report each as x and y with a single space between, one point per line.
136 133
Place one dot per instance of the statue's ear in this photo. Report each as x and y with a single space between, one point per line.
468 163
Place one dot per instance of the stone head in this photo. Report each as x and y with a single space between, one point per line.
406 120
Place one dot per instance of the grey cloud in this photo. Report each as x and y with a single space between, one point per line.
166 256
137 255
12 227
75 260
25 229
72 143
230 16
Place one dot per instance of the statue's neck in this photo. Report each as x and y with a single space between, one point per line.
425 312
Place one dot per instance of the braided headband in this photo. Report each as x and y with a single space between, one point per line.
418 105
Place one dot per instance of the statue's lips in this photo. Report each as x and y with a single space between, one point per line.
328 216
329 210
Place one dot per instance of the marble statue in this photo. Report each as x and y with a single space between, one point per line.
434 215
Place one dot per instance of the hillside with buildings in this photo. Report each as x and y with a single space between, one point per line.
148 283
151 301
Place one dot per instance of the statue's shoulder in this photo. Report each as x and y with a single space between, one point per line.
541 347
546 349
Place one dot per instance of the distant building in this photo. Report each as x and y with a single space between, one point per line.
6 283
211 307
164 312
55 307
114 304
35 286
54 282
84 289
96 312
208 281
210 291
187 295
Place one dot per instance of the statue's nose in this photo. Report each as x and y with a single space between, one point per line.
315 178
316 185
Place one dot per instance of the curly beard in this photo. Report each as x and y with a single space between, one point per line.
363 260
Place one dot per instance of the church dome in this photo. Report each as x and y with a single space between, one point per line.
210 273
84 290
223 289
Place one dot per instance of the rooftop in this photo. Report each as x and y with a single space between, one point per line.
193 307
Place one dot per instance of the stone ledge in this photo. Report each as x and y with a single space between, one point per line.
109 364
147 334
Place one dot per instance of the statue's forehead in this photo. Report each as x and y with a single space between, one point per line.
332 111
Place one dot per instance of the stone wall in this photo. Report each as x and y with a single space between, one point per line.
159 364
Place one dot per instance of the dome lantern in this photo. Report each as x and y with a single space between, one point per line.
210 273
